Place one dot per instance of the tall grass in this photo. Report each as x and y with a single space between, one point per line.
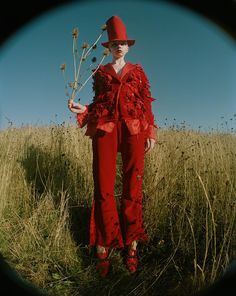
189 192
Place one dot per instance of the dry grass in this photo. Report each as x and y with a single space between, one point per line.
46 191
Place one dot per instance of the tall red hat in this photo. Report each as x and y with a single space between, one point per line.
116 30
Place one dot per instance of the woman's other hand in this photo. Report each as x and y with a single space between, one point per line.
76 107
149 144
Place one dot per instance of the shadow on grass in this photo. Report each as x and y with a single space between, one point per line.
48 172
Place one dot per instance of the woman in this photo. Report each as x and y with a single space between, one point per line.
119 119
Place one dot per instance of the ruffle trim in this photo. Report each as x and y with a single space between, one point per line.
135 126
82 118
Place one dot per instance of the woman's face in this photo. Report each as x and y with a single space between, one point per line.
118 48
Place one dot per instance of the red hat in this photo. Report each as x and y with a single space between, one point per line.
116 31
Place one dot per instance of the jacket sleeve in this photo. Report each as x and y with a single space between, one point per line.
144 88
82 118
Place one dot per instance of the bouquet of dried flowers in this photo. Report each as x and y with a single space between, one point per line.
78 83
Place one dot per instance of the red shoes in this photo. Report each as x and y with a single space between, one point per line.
103 263
131 260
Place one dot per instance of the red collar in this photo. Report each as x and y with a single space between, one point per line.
127 67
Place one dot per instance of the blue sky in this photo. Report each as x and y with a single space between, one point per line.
190 62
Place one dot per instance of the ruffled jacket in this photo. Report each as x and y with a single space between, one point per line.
126 96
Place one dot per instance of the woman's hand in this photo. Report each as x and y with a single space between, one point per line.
149 145
76 107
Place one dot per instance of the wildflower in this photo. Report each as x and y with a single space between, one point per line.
85 45
75 33
75 85
104 27
106 52
63 67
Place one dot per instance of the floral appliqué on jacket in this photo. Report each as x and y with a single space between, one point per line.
126 97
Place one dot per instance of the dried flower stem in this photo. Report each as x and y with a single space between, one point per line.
88 68
93 45
77 75
91 74
74 55
85 53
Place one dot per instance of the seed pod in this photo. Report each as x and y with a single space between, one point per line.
104 27
85 45
75 33
106 52
63 67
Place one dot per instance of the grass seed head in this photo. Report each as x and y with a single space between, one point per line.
106 52
63 67
85 45
75 33
104 27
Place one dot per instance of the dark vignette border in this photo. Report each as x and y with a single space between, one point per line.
15 15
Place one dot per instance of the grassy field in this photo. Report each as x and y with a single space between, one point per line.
46 190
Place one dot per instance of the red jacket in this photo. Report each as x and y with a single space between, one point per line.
126 96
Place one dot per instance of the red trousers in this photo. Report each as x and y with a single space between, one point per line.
106 229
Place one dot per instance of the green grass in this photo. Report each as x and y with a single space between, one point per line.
46 190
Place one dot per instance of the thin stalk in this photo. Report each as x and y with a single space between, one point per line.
212 217
91 47
74 57
225 245
88 68
194 246
91 74
207 241
77 75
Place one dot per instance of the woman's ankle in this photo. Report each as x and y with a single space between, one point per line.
100 249
133 245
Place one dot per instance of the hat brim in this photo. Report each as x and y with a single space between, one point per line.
130 42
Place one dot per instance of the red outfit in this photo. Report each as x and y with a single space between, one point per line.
119 119
127 96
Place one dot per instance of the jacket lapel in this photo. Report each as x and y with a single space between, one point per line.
109 69
128 67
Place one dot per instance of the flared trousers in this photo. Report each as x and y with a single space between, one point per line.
106 227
